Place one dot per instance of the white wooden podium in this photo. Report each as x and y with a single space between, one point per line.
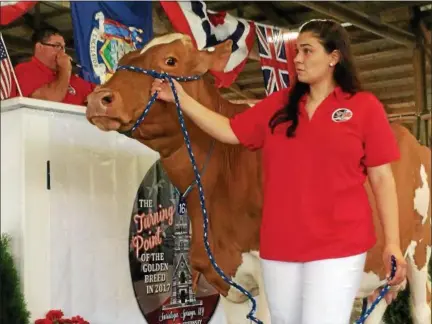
70 226
70 232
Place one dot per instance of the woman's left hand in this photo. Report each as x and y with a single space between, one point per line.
398 281
401 265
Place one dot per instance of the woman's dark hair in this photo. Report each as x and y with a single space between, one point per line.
333 37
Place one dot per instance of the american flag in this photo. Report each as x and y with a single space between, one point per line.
6 70
273 56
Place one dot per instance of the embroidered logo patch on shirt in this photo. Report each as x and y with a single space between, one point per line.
342 115
71 90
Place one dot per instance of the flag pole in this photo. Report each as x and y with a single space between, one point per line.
13 70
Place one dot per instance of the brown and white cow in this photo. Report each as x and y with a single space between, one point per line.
232 181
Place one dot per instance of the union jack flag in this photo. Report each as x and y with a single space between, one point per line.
275 64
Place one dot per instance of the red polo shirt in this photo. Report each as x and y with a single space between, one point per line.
315 203
34 74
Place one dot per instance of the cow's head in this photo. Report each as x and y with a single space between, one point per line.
117 104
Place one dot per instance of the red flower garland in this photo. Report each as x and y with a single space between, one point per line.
55 316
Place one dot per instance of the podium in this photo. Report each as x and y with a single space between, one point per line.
67 192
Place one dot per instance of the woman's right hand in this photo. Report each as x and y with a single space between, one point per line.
164 90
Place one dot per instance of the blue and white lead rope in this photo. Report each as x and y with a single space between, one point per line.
366 312
195 169
163 75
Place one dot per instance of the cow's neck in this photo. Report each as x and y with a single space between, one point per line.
178 164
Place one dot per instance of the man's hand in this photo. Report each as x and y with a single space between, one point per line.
64 62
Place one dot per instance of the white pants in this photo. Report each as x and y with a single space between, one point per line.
317 292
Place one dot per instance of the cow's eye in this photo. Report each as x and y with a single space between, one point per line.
171 61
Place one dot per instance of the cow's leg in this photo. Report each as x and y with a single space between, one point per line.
419 251
369 288
249 276
419 286
236 312
263 312
377 315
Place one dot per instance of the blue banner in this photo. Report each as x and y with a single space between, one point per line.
104 31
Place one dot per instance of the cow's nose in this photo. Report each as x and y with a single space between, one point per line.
104 99
107 99
101 102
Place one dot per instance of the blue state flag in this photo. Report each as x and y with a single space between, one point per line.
104 31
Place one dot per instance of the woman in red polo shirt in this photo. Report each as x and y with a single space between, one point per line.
319 139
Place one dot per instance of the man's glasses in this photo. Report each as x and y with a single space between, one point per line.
56 46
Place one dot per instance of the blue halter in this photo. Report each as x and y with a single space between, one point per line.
156 75
170 79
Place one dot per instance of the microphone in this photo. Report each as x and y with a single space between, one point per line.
76 64
79 67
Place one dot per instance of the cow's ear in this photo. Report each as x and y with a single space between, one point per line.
215 58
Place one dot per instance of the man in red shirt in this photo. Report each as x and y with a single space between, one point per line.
48 75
